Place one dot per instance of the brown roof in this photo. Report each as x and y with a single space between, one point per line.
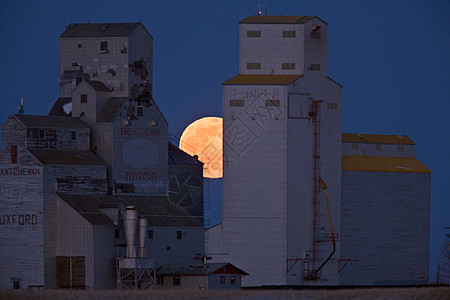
51 121
277 19
159 211
57 109
67 157
98 86
376 139
383 164
246 79
111 110
85 30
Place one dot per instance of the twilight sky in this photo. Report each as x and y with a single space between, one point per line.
392 57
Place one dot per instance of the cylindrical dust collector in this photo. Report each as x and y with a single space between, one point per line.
130 220
142 237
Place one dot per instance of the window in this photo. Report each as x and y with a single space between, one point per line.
116 233
222 280
232 279
41 133
140 111
14 154
83 98
315 67
272 102
332 105
289 34
378 147
254 33
103 46
179 235
73 135
176 281
15 284
150 234
354 146
400 148
315 34
236 102
288 66
253 66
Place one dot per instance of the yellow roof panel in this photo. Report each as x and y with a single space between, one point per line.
383 164
376 139
277 19
262 79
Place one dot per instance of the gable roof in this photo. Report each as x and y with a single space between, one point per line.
159 211
98 86
179 157
111 109
50 121
277 19
57 108
86 30
67 157
383 164
245 79
376 139
200 269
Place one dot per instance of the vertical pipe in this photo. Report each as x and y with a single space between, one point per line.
142 238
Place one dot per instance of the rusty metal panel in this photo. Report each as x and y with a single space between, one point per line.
71 272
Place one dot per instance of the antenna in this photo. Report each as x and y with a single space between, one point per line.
21 107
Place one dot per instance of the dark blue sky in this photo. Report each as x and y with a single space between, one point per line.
392 57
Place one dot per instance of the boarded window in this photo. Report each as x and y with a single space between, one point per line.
150 234
71 272
83 98
232 279
272 102
253 66
14 154
116 233
332 105
378 147
179 235
42 133
400 148
355 146
236 102
15 284
140 111
289 34
315 34
73 135
103 46
254 33
176 281
288 66
315 67
222 280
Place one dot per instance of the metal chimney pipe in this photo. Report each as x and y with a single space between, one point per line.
142 237
130 219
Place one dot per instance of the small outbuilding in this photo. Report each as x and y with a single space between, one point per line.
214 276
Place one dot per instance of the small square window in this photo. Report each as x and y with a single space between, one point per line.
254 33
140 111
332 105
377 147
73 135
232 279
236 102
176 281
354 146
289 34
400 148
83 98
253 66
103 46
288 66
150 234
179 235
16 284
222 280
315 67
116 233
41 133
315 34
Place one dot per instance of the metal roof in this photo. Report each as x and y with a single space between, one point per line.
86 30
199 269
50 121
159 211
376 139
277 19
245 79
179 157
111 109
383 164
57 109
67 157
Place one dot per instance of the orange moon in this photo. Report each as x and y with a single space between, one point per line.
204 138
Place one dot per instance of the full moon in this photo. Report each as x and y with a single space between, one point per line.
204 138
